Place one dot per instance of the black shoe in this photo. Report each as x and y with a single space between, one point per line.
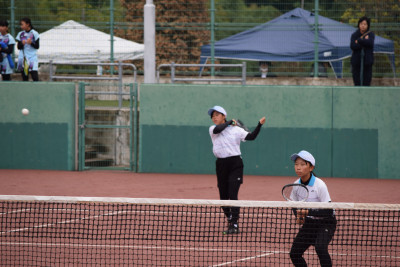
232 229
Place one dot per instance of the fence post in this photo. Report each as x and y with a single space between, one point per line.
212 15
316 38
81 125
112 34
244 70
51 70
149 42
172 72
12 7
120 84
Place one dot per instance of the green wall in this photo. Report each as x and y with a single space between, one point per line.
352 132
45 139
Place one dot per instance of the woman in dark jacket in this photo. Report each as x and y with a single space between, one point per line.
362 58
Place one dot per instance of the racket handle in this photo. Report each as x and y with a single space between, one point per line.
300 220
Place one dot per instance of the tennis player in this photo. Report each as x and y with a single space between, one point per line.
28 44
226 137
318 225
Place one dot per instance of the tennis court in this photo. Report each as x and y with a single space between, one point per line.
105 223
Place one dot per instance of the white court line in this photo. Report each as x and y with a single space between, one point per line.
312 253
245 259
153 247
14 211
61 222
212 214
25 210
80 245
265 253
182 248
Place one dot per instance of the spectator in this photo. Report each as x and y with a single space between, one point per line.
362 58
264 65
7 43
28 43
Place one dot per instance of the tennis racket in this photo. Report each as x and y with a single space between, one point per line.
241 125
295 192
298 193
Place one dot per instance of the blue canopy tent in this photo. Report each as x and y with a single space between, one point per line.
290 37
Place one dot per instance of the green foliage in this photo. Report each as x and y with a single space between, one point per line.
235 16
385 22
46 14
183 26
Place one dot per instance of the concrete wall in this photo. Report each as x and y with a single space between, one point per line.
352 132
45 139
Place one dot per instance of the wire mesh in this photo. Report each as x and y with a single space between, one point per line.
83 231
184 26
108 126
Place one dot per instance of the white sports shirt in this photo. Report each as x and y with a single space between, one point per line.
227 143
8 40
317 189
29 51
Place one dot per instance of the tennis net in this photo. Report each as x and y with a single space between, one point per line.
81 231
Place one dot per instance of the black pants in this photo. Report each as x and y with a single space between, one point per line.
317 233
34 74
367 75
230 177
6 77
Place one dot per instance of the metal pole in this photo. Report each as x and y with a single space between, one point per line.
136 129
51 70
12 23
212 15
316 39
131 97
81 125
149 42
112 34
120 84
362 67
244 73
172 72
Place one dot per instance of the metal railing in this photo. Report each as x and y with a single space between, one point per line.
120 65
174 79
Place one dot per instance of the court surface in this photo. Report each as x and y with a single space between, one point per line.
189 247
181 186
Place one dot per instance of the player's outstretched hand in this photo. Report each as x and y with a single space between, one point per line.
301 216
262 120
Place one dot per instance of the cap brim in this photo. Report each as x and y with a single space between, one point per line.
294 157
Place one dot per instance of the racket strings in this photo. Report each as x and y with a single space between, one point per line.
295 193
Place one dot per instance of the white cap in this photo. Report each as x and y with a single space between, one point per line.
216 108
304 155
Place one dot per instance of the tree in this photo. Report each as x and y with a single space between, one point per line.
385 21
235 16
181 28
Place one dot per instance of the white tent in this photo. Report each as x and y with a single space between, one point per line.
72 42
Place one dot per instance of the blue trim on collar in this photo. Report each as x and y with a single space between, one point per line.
312 180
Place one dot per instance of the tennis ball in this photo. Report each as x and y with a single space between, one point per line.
25 111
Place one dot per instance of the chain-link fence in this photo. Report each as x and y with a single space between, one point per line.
184 27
